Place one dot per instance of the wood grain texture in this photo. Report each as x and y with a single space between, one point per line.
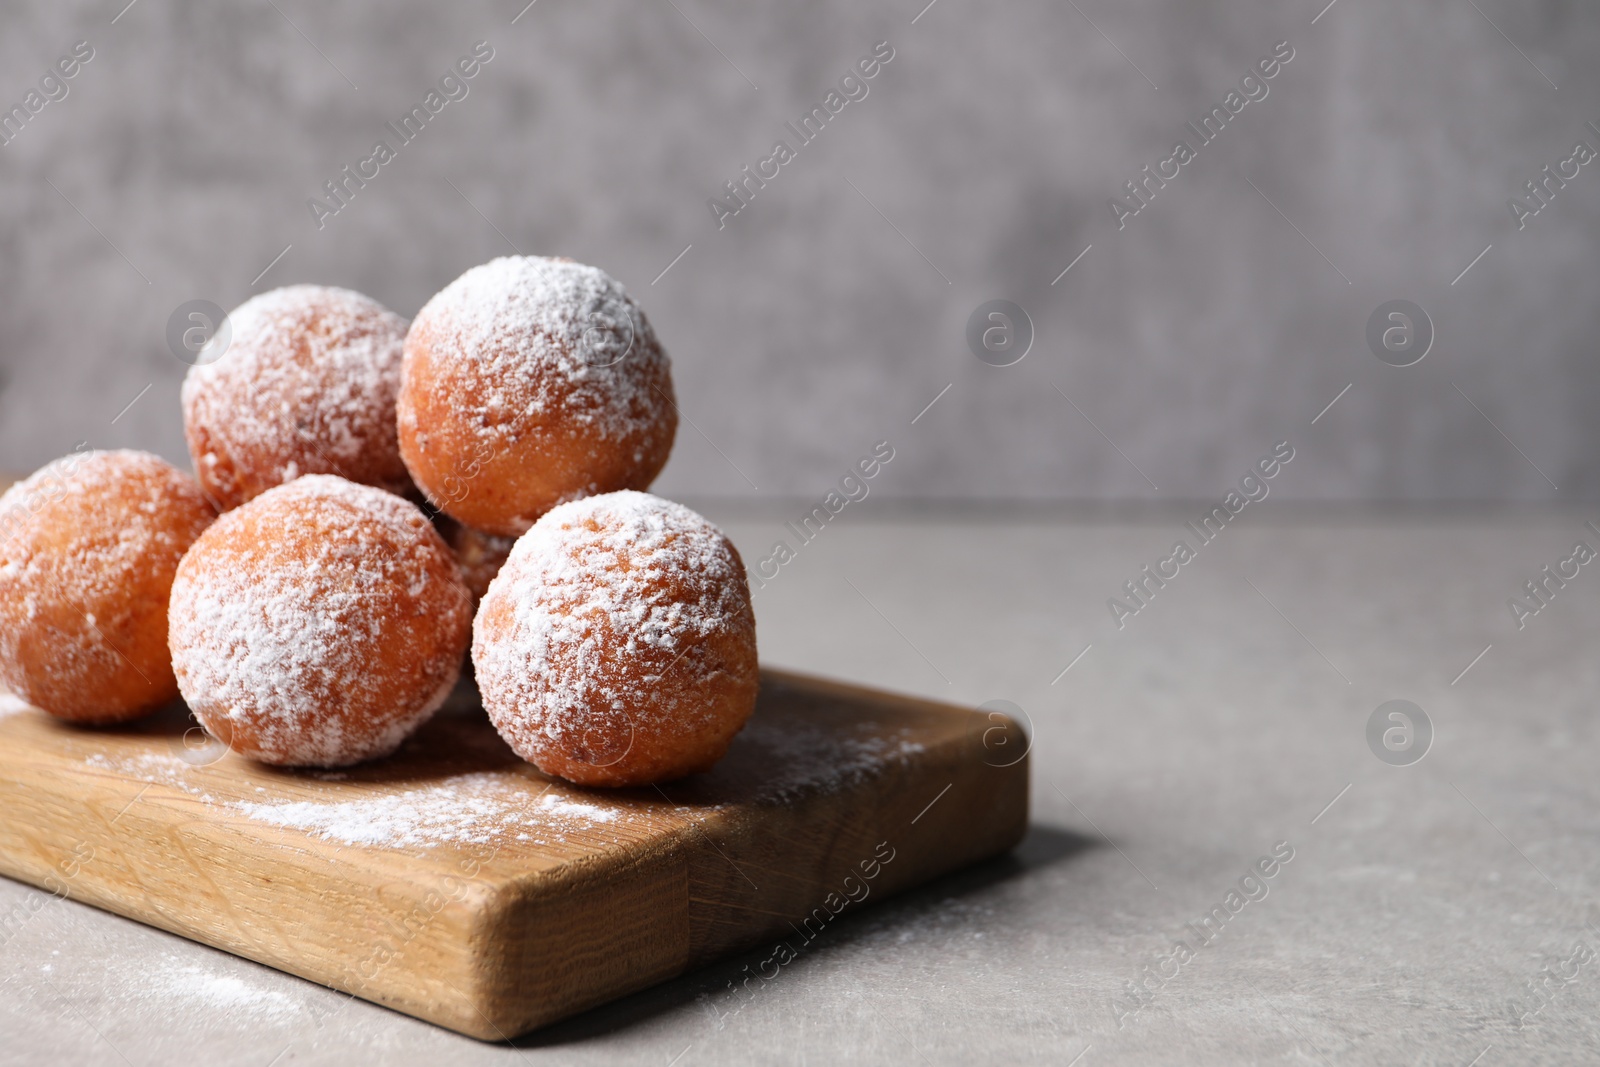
455 883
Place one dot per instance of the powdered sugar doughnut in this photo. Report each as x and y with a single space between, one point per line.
531 381
319 624
88 548
617 645
307 386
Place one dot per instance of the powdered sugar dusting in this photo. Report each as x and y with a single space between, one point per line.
800 758
152 768
218 993
306 386
574 809
475 808
463 809
123 506
556 339
11 704
165 985
286 611
600 599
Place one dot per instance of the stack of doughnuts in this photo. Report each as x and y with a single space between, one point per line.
370 499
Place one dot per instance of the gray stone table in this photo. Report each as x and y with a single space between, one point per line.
1431 913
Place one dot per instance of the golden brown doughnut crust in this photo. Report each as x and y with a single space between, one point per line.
528 382
306 386
617 645
88 549
318 625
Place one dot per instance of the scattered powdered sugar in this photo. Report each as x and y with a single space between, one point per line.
152 768
166 985
286 613
11 704
598 601
577 809
307 386
464 809
800 758
473 808
224 993
547 340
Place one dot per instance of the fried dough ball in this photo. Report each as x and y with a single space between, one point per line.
528 382
318 625
479 555
88 549
307 385
617 646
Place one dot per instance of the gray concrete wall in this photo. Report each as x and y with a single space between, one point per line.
827 314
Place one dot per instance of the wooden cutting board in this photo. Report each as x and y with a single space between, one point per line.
456 883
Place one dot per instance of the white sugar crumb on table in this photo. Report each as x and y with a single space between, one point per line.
11 704
464 809
223 993
166 984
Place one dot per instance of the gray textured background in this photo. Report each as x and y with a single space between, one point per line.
808 328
